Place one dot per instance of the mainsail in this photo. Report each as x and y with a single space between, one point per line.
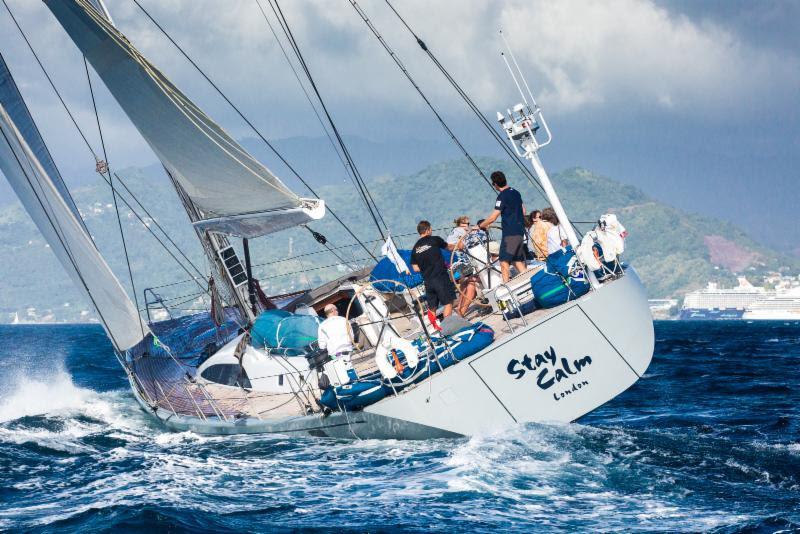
234 193
67 237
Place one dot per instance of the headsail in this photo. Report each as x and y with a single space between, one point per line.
12 101
234 192
66 235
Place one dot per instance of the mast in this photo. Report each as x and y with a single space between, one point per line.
213 245
521 123
251 288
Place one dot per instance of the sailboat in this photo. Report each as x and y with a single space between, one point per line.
251 364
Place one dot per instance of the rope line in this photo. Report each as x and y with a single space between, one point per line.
97 158
247 121
366 194
113 194
430 105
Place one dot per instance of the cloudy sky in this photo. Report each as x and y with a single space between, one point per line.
696 102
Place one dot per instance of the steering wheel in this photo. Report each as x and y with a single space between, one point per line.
485 265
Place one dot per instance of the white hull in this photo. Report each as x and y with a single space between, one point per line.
612 326
772 315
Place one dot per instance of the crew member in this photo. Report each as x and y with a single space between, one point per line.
468 285
512 244
556 235
332 334
538 235
426 258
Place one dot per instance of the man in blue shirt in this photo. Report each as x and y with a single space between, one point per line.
508 206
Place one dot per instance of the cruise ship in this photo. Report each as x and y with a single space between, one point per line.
714 302
782 306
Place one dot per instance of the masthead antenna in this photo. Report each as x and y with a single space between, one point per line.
521 124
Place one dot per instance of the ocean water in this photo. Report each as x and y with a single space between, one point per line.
708 440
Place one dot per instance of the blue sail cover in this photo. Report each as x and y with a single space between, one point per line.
385 270
11 100
285 330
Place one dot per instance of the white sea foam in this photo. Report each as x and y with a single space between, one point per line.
54 394
72 412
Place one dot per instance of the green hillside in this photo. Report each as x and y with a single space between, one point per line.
673 251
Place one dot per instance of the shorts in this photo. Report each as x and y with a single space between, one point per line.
512 248
439 292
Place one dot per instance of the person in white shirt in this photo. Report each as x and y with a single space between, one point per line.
556 237
332 334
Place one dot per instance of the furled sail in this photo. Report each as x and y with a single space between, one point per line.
12 101
67 237
234 192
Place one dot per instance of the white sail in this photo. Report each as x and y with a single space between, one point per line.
16 108
235 193
67 237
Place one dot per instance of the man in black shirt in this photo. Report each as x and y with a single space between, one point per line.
509 206
426 258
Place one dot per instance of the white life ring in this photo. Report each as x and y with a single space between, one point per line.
384 359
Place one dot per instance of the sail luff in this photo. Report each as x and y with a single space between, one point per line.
222 180
11 98
67 237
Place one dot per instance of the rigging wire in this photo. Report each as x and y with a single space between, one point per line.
248 122
303 88
113 193
526 171
58 230
371 205
433 109
322 240
321 123
13 18
470 103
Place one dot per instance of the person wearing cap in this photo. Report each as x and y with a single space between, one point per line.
332 334
510 208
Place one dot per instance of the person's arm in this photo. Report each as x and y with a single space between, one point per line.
445 245
415 267
322 338
489 220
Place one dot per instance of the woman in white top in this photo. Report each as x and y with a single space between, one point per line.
467 287
556 237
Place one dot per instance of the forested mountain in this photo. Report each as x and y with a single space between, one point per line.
673 251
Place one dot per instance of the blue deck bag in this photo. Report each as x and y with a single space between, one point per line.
385 270
355 395
550 290
561 261
524 309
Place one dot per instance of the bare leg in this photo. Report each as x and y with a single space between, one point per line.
521 267
505 270
467 297
448 309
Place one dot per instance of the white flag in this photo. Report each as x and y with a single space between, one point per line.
390 251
